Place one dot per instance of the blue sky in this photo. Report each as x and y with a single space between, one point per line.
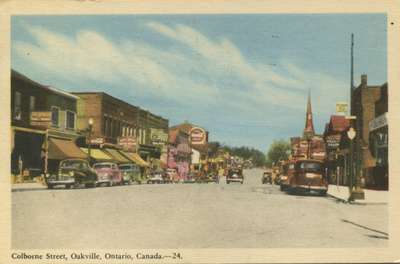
245 78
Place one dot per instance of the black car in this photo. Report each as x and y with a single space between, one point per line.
72 173
267 177
235 175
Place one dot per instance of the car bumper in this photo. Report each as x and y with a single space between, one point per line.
64 182
310 188
234 179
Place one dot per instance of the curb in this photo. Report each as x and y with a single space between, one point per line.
356 202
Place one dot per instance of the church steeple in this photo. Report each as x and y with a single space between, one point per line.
309 128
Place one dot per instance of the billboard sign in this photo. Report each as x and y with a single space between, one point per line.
341 108
158 136
197 136
127 143
40 119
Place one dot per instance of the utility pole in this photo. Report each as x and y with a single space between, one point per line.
356 191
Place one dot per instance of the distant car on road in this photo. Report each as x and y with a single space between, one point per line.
72 173
235 175
266 177
156 177
108 173
130 173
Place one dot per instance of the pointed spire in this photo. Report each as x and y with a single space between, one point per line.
309 127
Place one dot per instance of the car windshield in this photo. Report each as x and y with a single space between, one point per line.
73 164
125 167
102 166
311 166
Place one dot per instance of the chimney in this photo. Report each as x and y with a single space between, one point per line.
364 80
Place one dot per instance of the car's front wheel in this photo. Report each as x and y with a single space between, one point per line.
50 186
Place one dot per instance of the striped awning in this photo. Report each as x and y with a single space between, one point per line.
98 154
116 155
134 157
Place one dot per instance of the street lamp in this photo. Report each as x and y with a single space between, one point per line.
90 126
358 192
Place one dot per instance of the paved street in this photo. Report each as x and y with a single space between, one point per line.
211 215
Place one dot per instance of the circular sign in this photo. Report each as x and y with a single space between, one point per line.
197 135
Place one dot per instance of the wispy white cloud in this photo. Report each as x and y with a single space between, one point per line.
195 72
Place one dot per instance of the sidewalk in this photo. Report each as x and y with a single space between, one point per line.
371 196
30 186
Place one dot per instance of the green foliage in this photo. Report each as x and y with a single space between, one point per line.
257 157
279 150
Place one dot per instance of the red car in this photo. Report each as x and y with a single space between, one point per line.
108 173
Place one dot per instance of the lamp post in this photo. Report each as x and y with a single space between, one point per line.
356 191
90 126
351 134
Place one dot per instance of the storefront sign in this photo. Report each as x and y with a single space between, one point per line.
127 143
332 141
341 108
378 122
42 119
197 136
158 136
97 141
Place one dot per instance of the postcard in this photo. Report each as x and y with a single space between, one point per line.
199 132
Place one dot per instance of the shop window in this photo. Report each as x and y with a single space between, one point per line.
55 116
70 120
17 106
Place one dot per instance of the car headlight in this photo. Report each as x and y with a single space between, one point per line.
71 173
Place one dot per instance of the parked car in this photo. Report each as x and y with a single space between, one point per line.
287 174
171 175
108 173
235 175
266 177
130 173
309 176
156 177
72 173
191 178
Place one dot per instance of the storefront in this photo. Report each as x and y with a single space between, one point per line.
28 152
379 148
60 149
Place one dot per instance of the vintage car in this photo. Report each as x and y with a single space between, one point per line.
286 174
266 177
156 177
130 173
171 175
308 176
108 173
235 175
72 173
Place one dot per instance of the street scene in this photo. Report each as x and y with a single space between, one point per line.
203 131
251 214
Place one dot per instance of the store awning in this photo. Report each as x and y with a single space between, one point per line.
60 149
136 159
98 154
116 155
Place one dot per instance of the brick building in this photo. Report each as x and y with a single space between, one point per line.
363 99
43 126
114 119
378 140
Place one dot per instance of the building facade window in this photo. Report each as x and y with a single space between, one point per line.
32 103
70 120
55 116
17 106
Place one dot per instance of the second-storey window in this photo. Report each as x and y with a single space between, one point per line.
70 120
54 116
17 106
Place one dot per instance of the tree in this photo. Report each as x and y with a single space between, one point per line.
279 150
